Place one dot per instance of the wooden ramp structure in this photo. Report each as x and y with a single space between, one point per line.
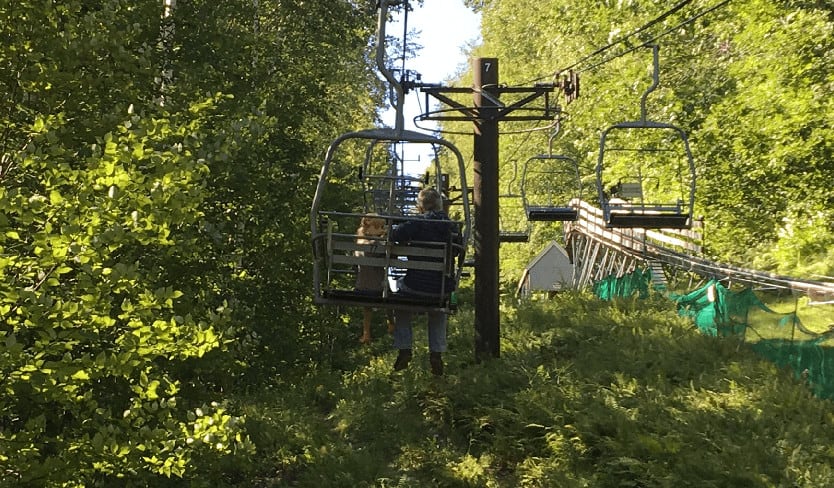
598 251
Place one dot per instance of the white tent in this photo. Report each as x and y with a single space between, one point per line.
551 270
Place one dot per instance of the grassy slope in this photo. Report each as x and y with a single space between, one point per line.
586 393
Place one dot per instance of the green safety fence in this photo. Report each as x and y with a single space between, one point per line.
624 286
787 329
718 311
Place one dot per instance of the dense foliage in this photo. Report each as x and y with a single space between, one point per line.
156 165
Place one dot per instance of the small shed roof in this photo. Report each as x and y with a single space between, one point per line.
553 253
544 252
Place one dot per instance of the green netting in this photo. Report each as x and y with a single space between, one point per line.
717 310
624 286
787 330
779 336
809 360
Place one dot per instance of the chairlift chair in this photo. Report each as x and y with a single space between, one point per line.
333 220
510 232
512 229
336 253
630 205
550 183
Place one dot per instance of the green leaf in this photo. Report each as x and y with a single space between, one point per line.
55 197
81 375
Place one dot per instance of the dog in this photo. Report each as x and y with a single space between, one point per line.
370 278
370 226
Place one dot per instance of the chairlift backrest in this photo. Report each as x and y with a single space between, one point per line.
630 190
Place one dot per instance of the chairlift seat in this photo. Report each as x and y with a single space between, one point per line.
631 221
551 214
392 300
646 216
513 237
345 254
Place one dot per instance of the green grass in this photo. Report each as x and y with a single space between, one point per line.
816 318
585 393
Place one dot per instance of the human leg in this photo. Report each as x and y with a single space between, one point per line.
403 331
437 331
437 341
403 337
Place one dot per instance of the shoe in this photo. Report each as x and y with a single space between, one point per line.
436 362
403 359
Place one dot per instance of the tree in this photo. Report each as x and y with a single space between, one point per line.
141 222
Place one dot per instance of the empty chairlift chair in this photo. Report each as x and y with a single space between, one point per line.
549 183
513 228
646 173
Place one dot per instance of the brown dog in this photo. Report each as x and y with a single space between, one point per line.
370 278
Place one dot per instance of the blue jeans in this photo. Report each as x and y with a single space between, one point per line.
404 334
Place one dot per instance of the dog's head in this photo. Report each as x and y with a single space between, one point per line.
372 226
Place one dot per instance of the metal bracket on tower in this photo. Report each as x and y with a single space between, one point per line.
570 86
516 111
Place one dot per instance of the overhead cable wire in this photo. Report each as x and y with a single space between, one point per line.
601 50
623 39
655 38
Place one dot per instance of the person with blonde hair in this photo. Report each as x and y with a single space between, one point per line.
433 225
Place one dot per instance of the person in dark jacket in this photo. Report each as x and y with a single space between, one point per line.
433 226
